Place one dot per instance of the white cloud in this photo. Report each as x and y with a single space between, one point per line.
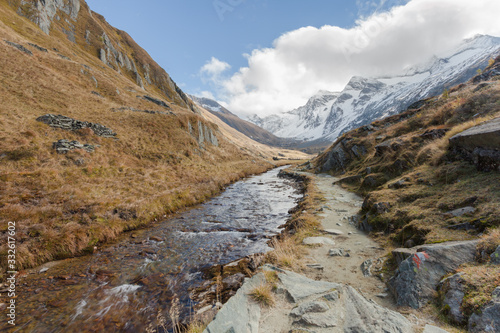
214 68
309 59
206 94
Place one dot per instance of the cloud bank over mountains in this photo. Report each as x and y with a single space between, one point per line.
309 59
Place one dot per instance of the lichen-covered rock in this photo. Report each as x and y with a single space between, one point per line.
489 318
453 289
417 277
495 256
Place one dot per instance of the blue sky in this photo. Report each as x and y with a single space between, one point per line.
266 57
184 35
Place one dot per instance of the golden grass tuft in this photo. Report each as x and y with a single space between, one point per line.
263 294
286 253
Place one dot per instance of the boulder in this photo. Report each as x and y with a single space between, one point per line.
480 145
489 318
495 256
453 289
417 277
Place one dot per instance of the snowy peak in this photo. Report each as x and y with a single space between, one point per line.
363 100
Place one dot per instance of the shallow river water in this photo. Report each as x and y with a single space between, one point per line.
123 287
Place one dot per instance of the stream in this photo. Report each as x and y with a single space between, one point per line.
135 281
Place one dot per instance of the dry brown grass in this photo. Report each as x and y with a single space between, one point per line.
263 294
480 281
64 205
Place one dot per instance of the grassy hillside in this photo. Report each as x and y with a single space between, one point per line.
65 204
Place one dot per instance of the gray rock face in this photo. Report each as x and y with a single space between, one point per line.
45 11
67 123
489 319
239 314
64 146
341 155
416 279
454 295
363 316
479 145
495 256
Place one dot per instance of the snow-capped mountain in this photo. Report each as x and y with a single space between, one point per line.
327 115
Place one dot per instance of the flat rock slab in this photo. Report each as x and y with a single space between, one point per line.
318 241
300 287
310 307
333 232
486 135
324 320
367 316
461 211
239 314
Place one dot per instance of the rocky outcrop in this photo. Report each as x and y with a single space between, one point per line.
340 156
70 124
64 146
489 318
205 134
126 108
43 12
19 47
479 145
155 101
417 277
313 306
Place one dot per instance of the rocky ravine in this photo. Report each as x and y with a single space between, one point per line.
338 292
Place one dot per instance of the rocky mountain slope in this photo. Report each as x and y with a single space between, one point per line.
431 175
96 137
363 100
247 128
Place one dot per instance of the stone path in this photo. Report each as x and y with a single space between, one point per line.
339 291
